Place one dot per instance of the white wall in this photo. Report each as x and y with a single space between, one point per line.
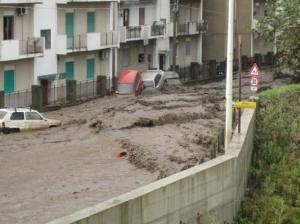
45 17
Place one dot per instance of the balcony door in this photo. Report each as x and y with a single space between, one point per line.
70 29
126 17
141 16
90 22
8 27
9 81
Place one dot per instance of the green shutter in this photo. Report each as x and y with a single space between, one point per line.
91 22
70 70
70 29
9 81
90 68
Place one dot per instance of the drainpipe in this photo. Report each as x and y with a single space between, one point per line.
229 76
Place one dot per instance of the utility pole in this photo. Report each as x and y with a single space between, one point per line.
229 76
175 22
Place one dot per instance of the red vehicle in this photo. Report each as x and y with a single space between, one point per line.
130 82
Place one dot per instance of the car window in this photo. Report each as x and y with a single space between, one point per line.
157 79
2 114
17 116
33 116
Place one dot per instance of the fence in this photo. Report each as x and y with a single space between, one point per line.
18 99
55 94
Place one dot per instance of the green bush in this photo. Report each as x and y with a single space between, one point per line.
273 194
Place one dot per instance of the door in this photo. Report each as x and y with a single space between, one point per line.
70 29
45 86
9 81
16 120
162 61
8 27
126 17
34 121
91 22
70 70
142 16
90 68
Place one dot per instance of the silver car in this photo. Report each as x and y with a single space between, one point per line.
155 79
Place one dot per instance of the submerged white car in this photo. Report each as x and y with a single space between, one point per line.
155 79
22 119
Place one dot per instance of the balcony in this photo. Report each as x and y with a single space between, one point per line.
158 29
20 1
87 42
189 28
21 49
134 33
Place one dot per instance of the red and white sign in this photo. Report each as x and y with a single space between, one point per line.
254 74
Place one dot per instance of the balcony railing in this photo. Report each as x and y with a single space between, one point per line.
202 27
158 29
109 38
134 32
191 28
31 46
77 42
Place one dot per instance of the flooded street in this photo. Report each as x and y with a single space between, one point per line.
51 173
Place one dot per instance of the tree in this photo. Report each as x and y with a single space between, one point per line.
281 25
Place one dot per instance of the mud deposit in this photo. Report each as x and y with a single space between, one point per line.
52 173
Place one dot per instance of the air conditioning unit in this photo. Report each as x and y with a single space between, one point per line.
21 11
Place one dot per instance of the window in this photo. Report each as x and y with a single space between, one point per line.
188 49
2 114
142 16
90 22
141 58
47 35
126 55
17 116
33 116
126 17
8 27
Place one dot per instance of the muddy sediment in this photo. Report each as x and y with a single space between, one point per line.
52 173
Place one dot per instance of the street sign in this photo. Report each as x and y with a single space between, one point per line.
242 105
254 71
254 74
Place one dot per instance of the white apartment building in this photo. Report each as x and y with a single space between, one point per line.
46 41
143 34
20 45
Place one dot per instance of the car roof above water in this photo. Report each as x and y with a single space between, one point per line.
18 109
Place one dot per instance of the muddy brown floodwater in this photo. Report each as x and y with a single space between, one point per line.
52 173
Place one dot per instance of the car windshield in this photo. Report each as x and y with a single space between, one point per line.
2 114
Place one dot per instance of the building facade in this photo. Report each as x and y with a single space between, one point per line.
246 15
46 42
143 34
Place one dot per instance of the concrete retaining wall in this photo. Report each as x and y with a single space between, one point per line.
208 193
